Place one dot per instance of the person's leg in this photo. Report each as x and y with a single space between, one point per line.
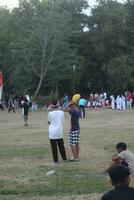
53 143
75 144
77 137
13 108
74 151
9 109
25 120
72 144
77 150
62 149
114 163
83 111
124 163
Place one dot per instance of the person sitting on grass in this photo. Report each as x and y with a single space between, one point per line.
120 179
124 157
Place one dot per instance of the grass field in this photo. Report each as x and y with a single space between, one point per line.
25 156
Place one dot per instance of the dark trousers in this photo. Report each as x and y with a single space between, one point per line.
82 108
60 144
11 107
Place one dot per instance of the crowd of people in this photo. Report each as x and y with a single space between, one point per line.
122 164
118 101
121 167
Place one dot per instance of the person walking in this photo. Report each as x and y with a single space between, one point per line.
55 121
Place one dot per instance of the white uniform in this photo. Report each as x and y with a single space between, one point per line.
112 102
123 104
118 102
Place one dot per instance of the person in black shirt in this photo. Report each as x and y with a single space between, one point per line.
74 130
120 179
25 109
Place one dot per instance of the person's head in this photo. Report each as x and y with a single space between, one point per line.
72 105
119 174
54 104
121 147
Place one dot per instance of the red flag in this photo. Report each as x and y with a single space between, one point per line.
1 79
1 84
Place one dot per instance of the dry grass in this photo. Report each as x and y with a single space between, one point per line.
24 151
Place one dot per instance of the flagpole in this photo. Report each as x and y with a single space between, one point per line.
74 68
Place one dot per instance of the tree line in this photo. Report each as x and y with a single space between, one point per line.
42 41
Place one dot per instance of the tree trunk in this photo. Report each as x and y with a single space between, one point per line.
56 92
38 88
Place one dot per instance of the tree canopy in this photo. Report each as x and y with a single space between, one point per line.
41 41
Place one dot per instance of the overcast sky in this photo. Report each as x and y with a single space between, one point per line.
13 3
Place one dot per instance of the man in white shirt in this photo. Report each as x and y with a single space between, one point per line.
55 121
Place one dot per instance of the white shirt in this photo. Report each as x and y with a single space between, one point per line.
112 98
56 119
128 156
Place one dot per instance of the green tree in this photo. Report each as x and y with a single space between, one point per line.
45 40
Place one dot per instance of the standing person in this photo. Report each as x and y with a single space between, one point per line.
55 121
6 99
130 99
74 130
112 102
11 104
82 104
118 102
25 110
65 100
123 102
120 179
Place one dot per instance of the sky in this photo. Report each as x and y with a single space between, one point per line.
13 3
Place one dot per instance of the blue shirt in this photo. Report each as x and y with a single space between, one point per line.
75 114
82 102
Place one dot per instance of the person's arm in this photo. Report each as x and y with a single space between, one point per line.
120 156
48 119
116 158
66 109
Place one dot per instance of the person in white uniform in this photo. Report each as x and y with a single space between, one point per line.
123 103
118 102
112 102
